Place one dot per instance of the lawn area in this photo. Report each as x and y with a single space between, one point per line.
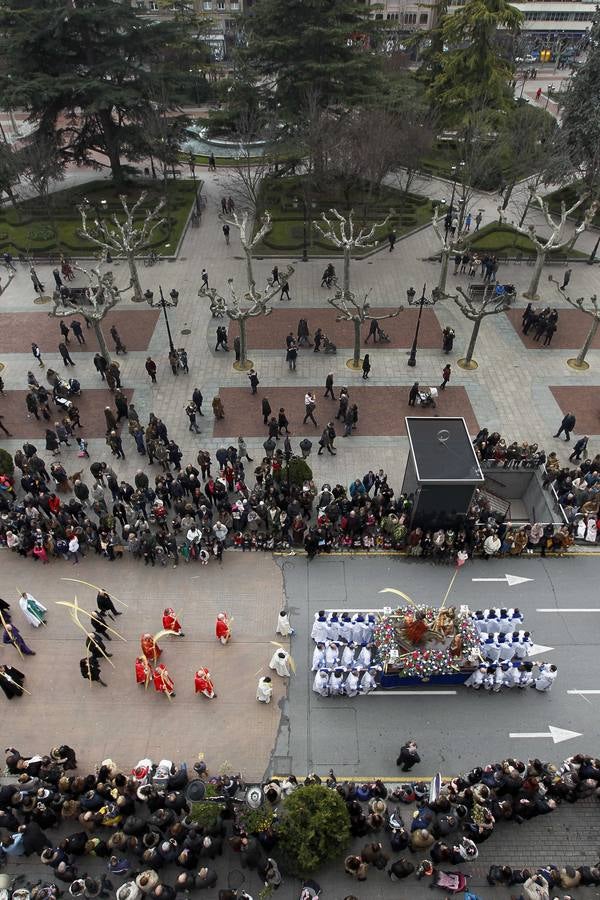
282 198
570 195
30 230
504 241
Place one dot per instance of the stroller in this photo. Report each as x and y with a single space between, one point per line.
160 778
451 882
427 397
329 346
382 336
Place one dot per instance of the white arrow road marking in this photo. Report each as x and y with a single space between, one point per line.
563 609
558 735
583 692
510 580
423 693
536 649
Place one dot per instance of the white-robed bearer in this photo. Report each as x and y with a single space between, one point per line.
264 689
368 682
488 678
364 657
351 683
280 663
336 683
475 679
498 680
526 674
333 627
318 661
33 610
319 631
283 624
347 657
546 677
511 675
321 683
332 655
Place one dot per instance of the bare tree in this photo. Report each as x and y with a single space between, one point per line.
343 235
123 238
447 244
555 241
256 303
102 296
591 308
491 305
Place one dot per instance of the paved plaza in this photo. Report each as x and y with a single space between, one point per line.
518 388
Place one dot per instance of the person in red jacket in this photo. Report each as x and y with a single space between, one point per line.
223 628
203 683
163 683
143 671
171 622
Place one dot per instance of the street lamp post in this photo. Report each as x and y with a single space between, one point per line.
453 170
192 165
164 304
422 301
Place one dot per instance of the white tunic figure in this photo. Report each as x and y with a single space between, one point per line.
506 651
511 677
332 655
367 682
498 680
264 690
333 627
318 657
279 662
526 676
33 610
364 657
545 678
491 651
283 624
520 649
321 683
475 679
368 627
336 683
351 684
347 658
358 621
345 629
320 628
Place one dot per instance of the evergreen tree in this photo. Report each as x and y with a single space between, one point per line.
578 147
472 74
316 47
88 70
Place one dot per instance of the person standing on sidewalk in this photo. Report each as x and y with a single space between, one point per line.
205 279
285 289
190 412
37 354
243 450
253 379
446 373
151 368
77 331
226 233
366 367
408 756
266 410
64 330
567 425
64 352
309 408
329 386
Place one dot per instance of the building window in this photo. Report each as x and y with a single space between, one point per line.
221 4
410 18
423 18
206 4
234 4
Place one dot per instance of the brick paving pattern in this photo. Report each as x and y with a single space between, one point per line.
583 403
270 333
91 406
18 330
573 327
381 410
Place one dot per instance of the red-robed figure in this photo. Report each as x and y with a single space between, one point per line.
150 648
163 683
223 628
203 683
143 672
171 622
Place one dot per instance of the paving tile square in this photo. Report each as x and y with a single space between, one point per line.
381 410
583 402
19 329
91 406
573 327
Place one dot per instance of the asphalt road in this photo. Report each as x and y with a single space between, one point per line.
360 736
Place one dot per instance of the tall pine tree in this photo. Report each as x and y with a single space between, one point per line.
87 71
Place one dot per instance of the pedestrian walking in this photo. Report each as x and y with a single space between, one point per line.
224 205
275 274
64 352
566 278
567 425
64 330
391 239
413 394
77 331
57 278
174 361
266 410
119 345
37 284
285 289
446 373
115 443
8 262
309 408
478 219
366 366
325 441
243 450
226 232
230 206
32 405
373 331
305 447
408 756
4 428
253 379
291 356
329 386
212 163
198 400
467 225
205 278
237 347
282 421
218 408
37 354
101 365
579 447
151 368
221 339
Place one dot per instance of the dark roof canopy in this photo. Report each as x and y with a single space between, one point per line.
442 450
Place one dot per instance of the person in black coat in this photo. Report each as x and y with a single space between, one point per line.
266 410
413 394
408 756
34 839
11 681
105 604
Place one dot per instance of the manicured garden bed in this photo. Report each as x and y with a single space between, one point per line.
504 241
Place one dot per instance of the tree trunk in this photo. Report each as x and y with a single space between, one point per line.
111 143
97 326
507 192
444 270
346 281
473 341
531 292
249 272
243 344
135 278
588 341
356 358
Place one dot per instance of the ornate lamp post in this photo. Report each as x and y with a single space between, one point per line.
164 304
422 301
